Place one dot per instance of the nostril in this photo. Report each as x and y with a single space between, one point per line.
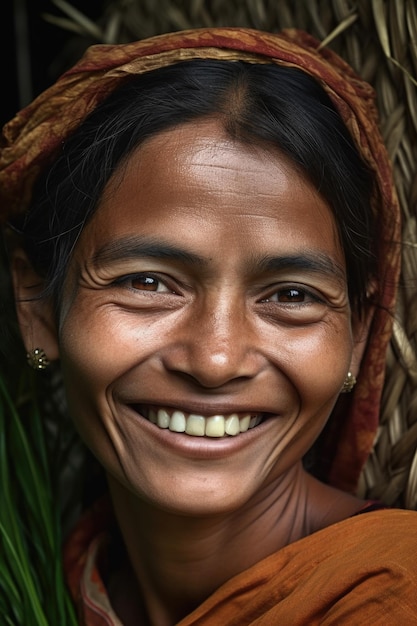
209 381
205 373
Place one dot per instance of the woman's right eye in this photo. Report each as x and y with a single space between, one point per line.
144 282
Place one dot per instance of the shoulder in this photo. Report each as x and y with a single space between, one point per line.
374 535
362 570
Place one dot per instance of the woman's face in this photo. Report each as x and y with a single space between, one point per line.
207 294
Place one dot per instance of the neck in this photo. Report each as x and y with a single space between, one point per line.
179 561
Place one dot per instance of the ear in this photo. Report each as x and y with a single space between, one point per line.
360 328
35 313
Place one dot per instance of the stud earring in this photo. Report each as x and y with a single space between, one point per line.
37 359
350 382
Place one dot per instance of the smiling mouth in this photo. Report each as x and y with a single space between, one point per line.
228 425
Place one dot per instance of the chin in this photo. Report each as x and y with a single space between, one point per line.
187 496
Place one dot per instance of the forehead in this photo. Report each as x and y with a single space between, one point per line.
196 185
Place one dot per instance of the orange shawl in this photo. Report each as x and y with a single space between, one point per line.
301 584
31 139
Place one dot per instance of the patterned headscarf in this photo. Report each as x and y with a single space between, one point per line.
32 139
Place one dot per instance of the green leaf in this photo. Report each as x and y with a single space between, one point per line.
32 587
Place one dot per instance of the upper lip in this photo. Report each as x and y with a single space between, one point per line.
203 409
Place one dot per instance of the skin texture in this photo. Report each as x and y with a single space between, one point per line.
249 313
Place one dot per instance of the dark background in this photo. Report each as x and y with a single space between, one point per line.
34 52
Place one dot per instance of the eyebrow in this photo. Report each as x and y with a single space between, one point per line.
312 261
130 248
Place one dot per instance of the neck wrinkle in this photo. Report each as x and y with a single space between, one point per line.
179 562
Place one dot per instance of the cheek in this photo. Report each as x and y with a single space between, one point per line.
93 356
315 364
99 347
325 368
99 344
315 358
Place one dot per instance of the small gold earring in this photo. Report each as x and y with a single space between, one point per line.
350 382
37 359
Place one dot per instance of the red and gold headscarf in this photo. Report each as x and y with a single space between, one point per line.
33 137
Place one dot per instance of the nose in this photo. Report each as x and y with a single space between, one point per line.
217 344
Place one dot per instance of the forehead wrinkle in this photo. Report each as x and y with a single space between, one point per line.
133 247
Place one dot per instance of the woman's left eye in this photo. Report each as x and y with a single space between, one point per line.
292 295
144 282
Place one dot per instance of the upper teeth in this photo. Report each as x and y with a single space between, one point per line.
200 426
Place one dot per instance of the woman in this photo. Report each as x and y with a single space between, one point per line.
207 247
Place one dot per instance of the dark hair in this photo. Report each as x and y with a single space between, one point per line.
280 107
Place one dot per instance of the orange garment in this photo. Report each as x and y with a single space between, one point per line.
31 140
355 572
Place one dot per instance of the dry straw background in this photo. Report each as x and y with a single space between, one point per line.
379 39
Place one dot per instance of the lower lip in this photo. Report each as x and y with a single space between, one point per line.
201 447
